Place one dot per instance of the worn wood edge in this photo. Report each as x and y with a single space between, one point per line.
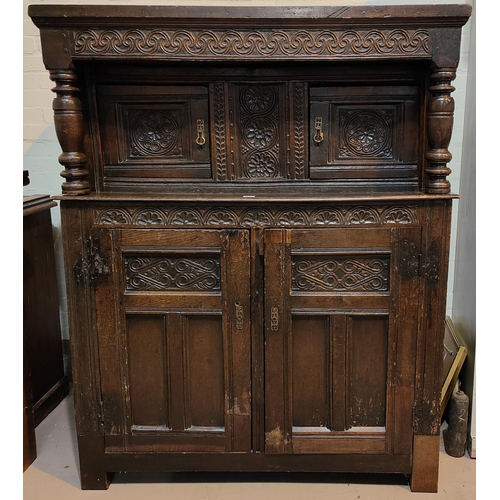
429 355
425 464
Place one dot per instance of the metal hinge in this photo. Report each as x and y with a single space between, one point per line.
411 259
431 267
92 263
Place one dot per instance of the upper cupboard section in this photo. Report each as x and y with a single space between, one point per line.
347 126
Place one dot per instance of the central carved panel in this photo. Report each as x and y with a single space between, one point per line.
355 274
258 136
172 273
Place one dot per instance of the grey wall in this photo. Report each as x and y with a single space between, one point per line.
464 283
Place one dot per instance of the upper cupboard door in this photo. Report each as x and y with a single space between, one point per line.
173 325
341 309
365 134
153 132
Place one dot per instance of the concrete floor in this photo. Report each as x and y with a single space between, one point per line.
54 475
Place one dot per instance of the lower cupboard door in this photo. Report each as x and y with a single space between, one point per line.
173 332
341 309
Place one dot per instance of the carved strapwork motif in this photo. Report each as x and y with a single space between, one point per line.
350 274
242 216
68 122
175 273
439 127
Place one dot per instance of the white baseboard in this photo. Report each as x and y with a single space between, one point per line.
471 446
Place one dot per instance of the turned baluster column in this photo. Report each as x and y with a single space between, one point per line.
68 121
439 127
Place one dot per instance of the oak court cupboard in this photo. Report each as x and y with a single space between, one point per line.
256 217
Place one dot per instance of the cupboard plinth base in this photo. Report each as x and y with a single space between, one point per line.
93 473
425 472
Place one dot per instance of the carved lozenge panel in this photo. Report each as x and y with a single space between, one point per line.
149 273
340 274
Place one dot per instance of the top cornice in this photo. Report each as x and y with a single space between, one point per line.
209 33
71 16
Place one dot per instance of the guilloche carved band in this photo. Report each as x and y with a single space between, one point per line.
250 43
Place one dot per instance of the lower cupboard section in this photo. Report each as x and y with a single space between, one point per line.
261 349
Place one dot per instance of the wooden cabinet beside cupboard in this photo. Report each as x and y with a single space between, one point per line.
256 219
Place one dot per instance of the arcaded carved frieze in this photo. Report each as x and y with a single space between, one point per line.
255 216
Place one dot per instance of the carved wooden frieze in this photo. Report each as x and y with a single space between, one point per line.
250 43
245 216
354 274
149 273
